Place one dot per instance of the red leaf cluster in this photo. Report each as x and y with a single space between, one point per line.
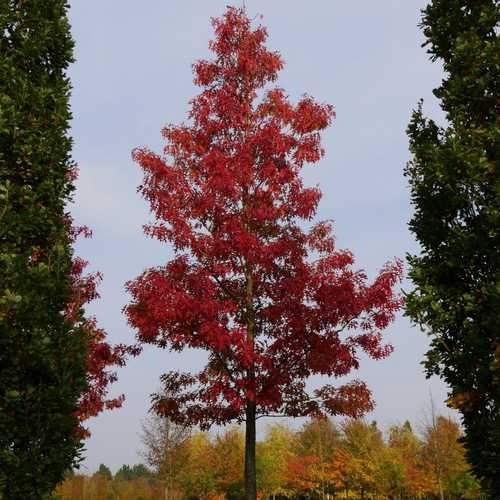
271 302
101 356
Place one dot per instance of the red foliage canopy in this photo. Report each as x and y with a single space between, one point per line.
271 302
101 356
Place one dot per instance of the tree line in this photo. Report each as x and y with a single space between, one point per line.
352 459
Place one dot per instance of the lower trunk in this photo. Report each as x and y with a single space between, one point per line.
441 492
250 437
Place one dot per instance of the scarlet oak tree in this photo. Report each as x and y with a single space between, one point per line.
271 302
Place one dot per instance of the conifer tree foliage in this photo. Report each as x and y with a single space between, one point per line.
271 302
455 187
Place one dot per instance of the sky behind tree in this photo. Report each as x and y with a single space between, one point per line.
133 76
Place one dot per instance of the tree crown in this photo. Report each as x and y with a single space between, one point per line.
272 302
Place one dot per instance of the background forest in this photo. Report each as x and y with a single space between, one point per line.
322 460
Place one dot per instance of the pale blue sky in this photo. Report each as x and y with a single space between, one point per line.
133 75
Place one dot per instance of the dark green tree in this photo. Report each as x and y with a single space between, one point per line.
455 189
128 473
105 472
124 473
42 353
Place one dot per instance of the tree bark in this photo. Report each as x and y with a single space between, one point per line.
251 406
250 437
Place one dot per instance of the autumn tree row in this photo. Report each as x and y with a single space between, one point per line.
322 460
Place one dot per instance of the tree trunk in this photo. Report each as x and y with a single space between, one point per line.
250 412
441 492
250 437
